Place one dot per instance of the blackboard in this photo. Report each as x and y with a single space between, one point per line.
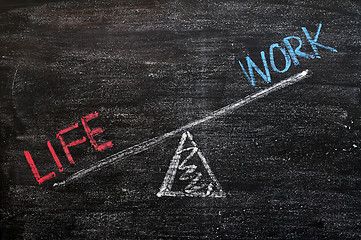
168 133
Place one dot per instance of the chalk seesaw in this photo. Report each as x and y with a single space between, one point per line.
143 146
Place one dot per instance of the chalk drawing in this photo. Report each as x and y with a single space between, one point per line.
289 53
141 147
193 170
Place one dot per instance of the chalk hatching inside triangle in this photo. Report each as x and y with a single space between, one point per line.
190 167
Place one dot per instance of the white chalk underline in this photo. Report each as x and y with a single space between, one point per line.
138 148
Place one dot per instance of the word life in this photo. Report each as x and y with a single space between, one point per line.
90 133
290 54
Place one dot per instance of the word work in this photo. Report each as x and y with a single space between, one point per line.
290 54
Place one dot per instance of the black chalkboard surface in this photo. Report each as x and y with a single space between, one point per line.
180 119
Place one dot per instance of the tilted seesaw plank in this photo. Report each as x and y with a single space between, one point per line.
141 147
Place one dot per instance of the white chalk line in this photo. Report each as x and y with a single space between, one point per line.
141 147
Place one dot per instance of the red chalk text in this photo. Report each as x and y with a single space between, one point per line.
90 134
